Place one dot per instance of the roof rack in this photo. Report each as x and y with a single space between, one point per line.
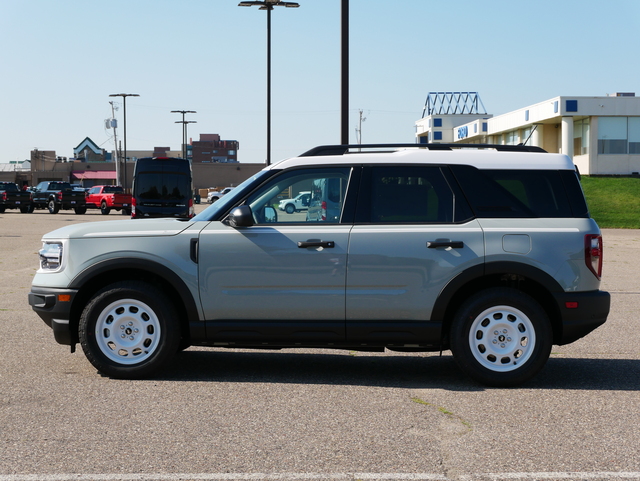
357 148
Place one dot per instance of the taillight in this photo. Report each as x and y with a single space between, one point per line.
133 207
4 196
324 210
59 196
593 253
192 211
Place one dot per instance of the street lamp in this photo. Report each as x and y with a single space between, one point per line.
268 6
184 128
124 108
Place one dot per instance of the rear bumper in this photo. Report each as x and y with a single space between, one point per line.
54 308
581 313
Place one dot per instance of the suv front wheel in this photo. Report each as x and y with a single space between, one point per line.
129 330
501 337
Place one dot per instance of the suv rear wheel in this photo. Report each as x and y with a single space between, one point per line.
501 337
129 330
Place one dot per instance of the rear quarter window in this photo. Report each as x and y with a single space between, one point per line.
521 193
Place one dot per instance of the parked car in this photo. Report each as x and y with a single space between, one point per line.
107 198
162 187
215 195
298 203
11 197
488 251
58 195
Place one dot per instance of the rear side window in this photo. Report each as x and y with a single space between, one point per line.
516 193
408 195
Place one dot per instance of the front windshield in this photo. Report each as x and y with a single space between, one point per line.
232 197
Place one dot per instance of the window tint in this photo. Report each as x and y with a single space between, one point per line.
162 186
514 193
326 187
404 194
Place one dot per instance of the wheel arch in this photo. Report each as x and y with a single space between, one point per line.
109 271
523 277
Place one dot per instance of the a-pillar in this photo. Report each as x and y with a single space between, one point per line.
567 136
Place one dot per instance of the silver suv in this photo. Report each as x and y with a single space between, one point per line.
488 251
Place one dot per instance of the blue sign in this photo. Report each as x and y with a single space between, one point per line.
463 132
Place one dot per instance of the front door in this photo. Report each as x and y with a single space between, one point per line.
282 279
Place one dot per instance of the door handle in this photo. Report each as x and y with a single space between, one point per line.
445 243
313 243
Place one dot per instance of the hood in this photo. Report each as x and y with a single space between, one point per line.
121 228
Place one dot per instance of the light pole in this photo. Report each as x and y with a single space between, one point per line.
268 6
184 128
124 109
344 88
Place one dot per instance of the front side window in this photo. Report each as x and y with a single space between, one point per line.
327 189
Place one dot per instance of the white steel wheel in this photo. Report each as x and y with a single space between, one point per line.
127 331
501 338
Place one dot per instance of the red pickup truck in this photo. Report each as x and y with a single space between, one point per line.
107 197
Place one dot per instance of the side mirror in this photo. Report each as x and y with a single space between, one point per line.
241 216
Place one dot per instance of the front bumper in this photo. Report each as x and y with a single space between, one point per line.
581 313
54 308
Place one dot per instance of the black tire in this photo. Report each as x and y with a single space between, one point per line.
53 207
2 209
126 212
501 337
31 208
290 208
80 210
25 209
104 210
145 332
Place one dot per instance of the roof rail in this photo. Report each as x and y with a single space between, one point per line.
357 148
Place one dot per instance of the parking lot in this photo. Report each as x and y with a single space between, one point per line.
303 414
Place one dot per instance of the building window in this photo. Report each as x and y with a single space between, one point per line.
581 137
612 135
572 105
437 136
634 135
437 122
513 138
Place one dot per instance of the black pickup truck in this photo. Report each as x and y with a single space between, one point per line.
11 197
55 195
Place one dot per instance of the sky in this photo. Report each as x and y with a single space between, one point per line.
60 60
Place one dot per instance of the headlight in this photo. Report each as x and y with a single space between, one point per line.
51 256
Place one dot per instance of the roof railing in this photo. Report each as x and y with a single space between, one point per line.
358 148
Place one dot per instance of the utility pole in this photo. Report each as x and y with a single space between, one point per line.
114 125
359 128
124 106
184 128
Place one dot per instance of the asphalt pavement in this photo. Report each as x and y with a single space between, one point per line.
308 414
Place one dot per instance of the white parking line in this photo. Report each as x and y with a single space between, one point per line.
550 476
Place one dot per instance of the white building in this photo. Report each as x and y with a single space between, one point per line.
601 134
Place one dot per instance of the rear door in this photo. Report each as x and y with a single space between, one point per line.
414 232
